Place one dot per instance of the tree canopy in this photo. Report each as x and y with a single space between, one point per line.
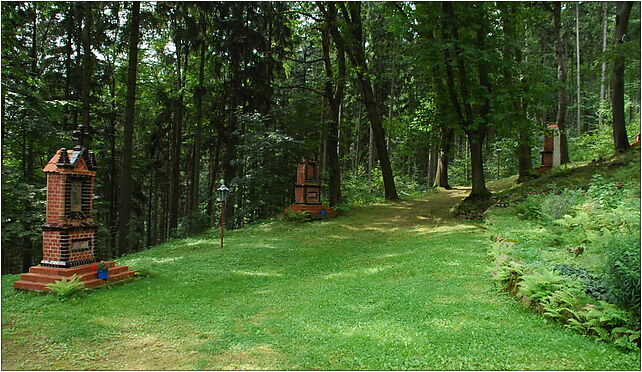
389 97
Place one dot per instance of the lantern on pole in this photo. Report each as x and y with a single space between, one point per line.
498 152
222 192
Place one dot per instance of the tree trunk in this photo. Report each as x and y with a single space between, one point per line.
605 18
562 100
34 41
476 140
213 173
356 52
432 165
87 68
465 112
523 149
68 71
177 140
334 94
621 141
577 64
371 153
128 135
445 146
230 161
196 149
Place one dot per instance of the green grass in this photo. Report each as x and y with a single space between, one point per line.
391 286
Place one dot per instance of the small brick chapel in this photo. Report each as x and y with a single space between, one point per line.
307 191
69 232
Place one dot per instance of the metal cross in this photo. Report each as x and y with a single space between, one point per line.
80 135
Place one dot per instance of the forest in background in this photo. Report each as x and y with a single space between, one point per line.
390 97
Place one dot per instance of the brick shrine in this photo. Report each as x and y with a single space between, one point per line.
69 232
307 191
551 156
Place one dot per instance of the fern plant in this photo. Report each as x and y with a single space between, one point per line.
67 287
540 284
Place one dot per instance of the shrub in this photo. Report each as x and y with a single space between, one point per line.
540 284
67 287
608 323
295 216
509 274
529 209
194 223
605 194
564 304
592 284
555 206
595 144
623 271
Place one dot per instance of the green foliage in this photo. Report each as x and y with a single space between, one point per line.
590 240
605 194
540 284
529 209
555 206
193 223
564 304
592 145
509 274
623 271
269 158
295 216
67 287
358 190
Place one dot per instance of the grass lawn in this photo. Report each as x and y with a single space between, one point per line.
391 286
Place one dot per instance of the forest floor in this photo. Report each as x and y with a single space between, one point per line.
398 285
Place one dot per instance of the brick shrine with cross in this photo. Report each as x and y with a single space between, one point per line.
69 232
307 191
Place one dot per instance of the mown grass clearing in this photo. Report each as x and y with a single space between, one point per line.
391 286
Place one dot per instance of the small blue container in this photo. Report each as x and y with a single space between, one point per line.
103 274
323 212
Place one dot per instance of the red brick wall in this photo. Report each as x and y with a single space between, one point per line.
55 197
548 143
87 234
298 194
51 245
57 243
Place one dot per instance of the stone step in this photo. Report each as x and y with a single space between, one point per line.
47 278
66 271
40 278
37 281
111 278
312 208
32 286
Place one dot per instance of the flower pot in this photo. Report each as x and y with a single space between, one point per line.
103 274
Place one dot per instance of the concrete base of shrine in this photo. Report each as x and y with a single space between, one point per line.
314 210
39 276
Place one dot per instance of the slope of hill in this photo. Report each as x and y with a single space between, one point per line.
390 286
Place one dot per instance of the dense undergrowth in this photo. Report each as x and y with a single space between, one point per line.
569 247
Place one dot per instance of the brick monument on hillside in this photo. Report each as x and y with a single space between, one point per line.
307 191
69 232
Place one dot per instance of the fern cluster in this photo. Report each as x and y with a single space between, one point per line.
67 287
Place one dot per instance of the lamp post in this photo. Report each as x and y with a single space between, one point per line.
498 152
223 191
